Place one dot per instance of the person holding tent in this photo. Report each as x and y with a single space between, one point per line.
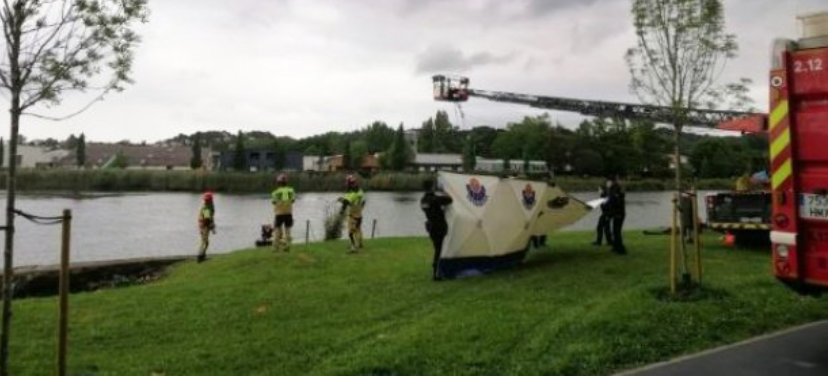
603 226
283 198
433 205
206 224
616 206
353 203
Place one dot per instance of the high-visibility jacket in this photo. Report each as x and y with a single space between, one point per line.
206 217
283 199
354 201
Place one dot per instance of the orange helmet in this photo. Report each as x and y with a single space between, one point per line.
351 181
282 179
208 196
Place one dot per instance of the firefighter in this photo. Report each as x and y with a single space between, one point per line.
434 205
206 224
283 198
353 203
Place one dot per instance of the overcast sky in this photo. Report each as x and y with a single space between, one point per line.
302 67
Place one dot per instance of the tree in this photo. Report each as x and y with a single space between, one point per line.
120 161
588 162
2 152
719 158
379 137
52 48
482 138
70 143
359 151
81 151
197 160
681 51
469 155
399 154
240 155
531 136
347 156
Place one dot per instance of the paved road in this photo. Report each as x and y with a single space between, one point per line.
798 352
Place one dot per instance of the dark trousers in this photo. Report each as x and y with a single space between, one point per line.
437 232
603 227
617 233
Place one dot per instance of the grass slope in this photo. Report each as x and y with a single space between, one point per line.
570 310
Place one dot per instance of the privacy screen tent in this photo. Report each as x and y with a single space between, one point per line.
492 220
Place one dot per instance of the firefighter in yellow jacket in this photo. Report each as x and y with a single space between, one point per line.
283 198
206 224
353 207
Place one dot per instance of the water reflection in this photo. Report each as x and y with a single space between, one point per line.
126 226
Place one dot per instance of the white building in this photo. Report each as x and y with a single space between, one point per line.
29 157
515 166
314 164
434 162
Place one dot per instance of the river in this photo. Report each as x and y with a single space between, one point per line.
125 226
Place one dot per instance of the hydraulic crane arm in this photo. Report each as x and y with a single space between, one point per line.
456 89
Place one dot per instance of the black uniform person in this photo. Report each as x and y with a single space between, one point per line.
603 226
616 206
434 207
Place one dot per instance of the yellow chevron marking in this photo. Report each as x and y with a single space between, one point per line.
779 113
781 174
781 143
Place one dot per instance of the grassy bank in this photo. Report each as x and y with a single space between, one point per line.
570 310
189 181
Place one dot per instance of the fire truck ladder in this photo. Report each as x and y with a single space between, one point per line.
456 89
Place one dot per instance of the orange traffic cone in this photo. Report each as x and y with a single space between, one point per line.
729 240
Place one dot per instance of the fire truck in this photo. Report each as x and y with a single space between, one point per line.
797 130
798 140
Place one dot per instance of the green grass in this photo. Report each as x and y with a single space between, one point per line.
570 310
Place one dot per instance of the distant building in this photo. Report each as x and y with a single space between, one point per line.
139 157
515 166
32 157
258 161
684 161
369 165
314 164
434 162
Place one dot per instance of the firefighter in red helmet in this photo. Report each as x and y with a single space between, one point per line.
283 198
206 224
353 203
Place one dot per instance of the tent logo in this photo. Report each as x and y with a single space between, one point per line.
528 197
476 193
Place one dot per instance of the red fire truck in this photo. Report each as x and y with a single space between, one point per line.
798 136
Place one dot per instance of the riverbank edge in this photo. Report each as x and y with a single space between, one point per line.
42 280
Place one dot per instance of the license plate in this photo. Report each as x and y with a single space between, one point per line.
814 207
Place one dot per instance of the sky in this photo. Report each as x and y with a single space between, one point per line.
303 67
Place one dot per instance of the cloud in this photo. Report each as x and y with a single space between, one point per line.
445 58
302 67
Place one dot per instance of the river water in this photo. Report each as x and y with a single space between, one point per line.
125 226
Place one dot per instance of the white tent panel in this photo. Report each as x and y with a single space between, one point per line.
493 218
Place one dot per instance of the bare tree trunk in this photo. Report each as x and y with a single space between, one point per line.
8 264
14 26
679 187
